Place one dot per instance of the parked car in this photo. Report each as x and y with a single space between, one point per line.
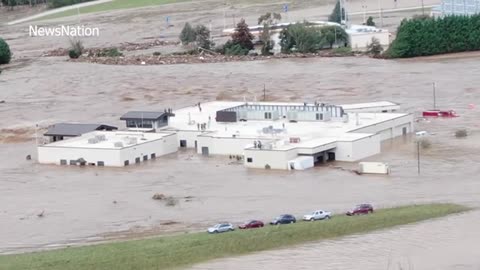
221 227
361 209
251 224
283 219
317 215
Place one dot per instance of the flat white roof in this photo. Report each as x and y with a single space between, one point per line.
311 133
370 105
109 140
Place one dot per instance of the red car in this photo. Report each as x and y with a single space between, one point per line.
251 224
438 113
361 209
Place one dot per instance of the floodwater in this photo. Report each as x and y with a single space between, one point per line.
84 205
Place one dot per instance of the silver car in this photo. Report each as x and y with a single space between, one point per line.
221 227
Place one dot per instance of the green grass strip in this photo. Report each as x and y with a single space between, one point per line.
187 249
114 5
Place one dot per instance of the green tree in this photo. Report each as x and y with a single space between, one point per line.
336 16
202 37
301 37
370 21
242 36
374 47
267 21
5 53
334 34
187 35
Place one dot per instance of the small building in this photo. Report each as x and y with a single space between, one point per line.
63 131
360 36
145 120
108 148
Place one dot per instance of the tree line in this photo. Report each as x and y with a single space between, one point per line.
421 36
51 3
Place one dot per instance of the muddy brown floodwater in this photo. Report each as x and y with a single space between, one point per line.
85 205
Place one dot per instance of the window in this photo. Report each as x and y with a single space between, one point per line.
249 160
100 163
137 160
63 162
126 163
153 156
319 116
268 115
139 123
145 157
73 162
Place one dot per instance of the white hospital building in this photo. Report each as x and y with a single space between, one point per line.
271 135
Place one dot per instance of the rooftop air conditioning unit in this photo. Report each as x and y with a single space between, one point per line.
92 141
101 138
118 144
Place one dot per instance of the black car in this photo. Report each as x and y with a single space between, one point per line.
283 219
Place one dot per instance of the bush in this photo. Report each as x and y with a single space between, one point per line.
461 133
370 21
343 50
188 34
110 52
430 36
234 49
333 34
374 48
62 3
242 36
157 53
76 48
5 53
202 37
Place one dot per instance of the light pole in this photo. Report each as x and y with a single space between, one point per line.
418 156
434 97
364 7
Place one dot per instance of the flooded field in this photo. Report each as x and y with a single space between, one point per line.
48 206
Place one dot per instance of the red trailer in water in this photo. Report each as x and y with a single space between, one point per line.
440 113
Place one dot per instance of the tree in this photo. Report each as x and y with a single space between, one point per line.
370 21
336 16
334 34
301 38
374 48
187 35
76 48
242 36
265 36
202 37
5 53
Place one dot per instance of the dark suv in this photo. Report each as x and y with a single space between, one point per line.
283 219
361 209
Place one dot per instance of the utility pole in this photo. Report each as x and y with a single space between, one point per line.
423 9
380 13
264 93
418 156
434 97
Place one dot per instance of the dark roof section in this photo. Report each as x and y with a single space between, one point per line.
144 115
69 129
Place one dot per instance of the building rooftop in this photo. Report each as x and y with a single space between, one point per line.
143 115
109 140
310 133
73 129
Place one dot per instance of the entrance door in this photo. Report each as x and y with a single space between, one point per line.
404 131
183 143
205 151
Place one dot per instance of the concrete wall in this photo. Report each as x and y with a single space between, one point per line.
110 157
359 149
275 159
189 136
360 41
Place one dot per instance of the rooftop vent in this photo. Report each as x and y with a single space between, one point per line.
92 141
118 144
101 137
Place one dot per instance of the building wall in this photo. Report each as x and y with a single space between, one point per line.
224 146
189 136
389 129
110 157
274 158
359 149
360 41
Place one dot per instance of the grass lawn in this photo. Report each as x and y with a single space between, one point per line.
115 4
187 249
